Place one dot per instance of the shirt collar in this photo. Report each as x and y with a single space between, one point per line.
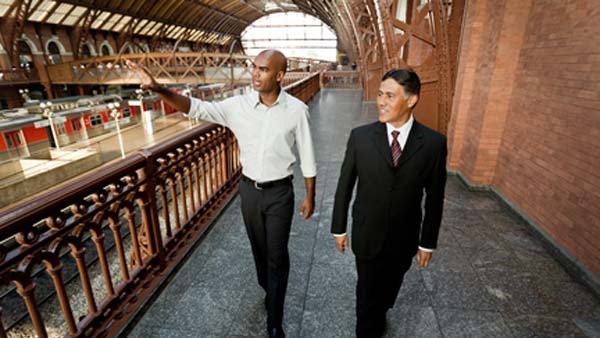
404 129
281 99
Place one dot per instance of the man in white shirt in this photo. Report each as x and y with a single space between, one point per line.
394 160
267 124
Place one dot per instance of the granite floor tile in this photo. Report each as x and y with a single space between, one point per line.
412 322
545 326
459 290
460 323
205 310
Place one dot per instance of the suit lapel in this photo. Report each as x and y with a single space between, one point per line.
413 143
379 137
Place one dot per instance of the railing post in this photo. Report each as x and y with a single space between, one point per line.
151 207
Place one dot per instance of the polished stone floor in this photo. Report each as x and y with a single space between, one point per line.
489 276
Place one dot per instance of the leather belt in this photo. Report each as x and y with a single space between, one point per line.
268 184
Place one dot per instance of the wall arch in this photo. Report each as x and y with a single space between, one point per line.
59 44
104 47
91 49
32 47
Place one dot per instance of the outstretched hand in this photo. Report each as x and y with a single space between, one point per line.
147 81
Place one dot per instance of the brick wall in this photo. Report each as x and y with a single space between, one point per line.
526 115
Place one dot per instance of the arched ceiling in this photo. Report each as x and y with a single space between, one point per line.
212 21
227 18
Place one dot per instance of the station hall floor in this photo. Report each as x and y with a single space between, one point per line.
489 276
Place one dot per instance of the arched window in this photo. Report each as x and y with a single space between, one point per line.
86 51
293 33
25 55
104 50
54 53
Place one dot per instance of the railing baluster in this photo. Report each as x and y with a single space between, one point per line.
175 206
115 228
63 299
165 206
223 160
27 293
98 239
207 178
78 252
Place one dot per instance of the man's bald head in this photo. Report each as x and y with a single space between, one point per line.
276 58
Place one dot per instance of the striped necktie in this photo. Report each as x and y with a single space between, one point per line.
396 150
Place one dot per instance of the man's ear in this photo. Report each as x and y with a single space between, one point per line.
412 101
280 75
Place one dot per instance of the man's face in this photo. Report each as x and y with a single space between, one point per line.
266 73
392 103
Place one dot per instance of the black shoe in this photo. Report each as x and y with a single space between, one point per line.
276 333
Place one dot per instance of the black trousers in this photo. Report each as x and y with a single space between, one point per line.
268 218
379 282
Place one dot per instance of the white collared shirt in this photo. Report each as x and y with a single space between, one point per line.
404 130
265 135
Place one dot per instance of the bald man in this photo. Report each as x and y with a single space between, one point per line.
267 124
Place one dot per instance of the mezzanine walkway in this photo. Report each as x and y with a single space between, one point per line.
489 276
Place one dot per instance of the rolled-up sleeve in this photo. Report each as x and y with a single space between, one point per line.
304 143
211 111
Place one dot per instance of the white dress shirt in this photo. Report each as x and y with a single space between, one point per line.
265 135
404 130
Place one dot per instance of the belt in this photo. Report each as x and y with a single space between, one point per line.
268 184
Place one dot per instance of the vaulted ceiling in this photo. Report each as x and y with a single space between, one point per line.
194 20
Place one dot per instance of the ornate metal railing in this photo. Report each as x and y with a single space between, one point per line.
186 68
80 259
149 207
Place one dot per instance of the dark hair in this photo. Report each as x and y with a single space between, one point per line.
405 77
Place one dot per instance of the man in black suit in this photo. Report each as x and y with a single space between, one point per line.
395 160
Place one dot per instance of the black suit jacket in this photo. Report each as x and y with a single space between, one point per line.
388 203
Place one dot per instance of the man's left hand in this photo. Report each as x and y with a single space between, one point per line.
307 207
423 258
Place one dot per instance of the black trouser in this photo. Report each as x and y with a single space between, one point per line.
268 218
379 281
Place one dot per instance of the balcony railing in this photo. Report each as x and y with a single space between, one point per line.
80 259
340 79
186 68
18 76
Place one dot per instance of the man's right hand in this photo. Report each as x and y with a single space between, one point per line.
147 81
341 242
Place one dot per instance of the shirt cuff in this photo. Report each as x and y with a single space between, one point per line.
425 249
339 235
